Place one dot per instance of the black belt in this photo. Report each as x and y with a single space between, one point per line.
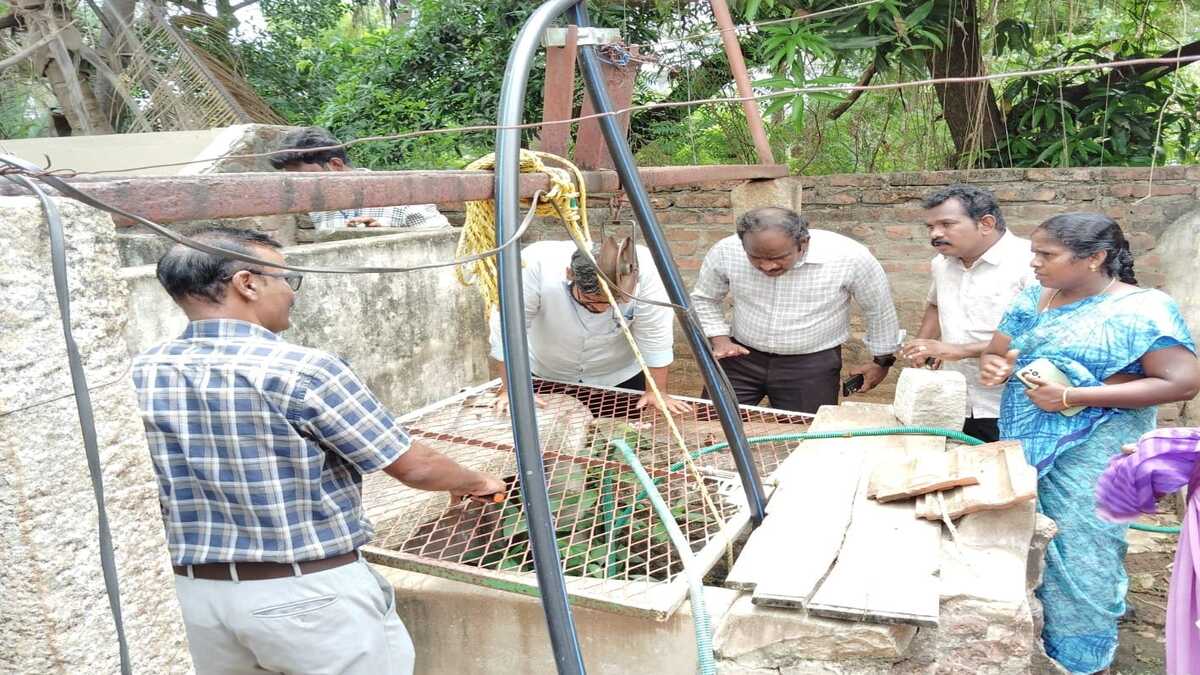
260 571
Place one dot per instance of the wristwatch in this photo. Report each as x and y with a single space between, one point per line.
884 360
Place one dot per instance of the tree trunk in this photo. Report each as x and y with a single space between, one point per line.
970 110
118 17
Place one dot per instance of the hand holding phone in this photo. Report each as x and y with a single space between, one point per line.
853 384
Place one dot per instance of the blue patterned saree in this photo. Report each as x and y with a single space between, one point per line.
1083 591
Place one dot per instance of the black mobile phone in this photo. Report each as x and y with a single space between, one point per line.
852 384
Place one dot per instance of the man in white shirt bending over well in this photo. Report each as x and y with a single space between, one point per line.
979 269
574 334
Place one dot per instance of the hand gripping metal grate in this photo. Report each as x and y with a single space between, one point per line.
615 552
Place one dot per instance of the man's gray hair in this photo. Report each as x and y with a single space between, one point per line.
773 218
586 276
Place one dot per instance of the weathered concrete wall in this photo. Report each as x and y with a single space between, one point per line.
1181 272
114 152
415 337
140 246
462 628
54 613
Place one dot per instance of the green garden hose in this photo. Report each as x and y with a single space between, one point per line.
1160 529
701 622
622 519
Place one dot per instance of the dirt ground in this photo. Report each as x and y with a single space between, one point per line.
1143 629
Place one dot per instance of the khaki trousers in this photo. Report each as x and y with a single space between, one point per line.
341 620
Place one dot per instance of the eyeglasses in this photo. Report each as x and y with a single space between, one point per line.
293 279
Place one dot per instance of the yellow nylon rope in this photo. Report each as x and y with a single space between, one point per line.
567 193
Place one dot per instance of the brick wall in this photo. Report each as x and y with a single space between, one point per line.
883 212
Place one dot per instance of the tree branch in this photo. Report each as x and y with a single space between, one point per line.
9 21
863 81
1076 93
244 3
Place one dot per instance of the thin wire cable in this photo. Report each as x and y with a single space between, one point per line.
55 399
812 89
746 27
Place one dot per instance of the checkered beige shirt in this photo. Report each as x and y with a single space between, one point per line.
803 311
417 216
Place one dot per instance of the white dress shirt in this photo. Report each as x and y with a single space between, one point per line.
570 344
970 303
806 309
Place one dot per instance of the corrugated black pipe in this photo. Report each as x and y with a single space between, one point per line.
714 378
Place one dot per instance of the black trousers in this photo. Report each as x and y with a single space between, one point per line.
601 404
986 429
797 382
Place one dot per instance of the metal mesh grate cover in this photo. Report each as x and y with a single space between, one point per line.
615 553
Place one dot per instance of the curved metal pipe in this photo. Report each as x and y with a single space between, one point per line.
714 378
546 562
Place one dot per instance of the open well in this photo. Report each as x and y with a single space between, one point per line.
614 550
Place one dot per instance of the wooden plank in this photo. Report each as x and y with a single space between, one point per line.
819 477
887 568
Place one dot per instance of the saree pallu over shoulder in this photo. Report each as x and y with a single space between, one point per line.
1089 341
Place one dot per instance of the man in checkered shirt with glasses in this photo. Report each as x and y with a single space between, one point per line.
305 154
791 289
259 446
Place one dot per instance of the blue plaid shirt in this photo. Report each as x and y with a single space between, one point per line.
259 445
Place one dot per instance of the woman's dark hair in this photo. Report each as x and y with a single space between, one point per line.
773 218
186 272
1088 233
301 141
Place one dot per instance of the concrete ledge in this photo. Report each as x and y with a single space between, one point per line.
460 628
764 637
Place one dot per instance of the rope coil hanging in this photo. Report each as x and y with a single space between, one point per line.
566 200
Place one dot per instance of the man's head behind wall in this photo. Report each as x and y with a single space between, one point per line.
308 149
774 238
963 221
209 286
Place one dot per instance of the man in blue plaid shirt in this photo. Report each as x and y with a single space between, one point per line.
259 447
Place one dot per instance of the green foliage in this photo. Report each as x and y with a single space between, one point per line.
1094 121
1111 123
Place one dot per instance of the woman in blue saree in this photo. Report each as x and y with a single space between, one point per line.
1125 350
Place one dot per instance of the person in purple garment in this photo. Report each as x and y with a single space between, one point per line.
1161 462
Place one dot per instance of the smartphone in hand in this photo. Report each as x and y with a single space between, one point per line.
853 384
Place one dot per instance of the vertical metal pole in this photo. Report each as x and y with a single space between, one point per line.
639 200
547 564
737 66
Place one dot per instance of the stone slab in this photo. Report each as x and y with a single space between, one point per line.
931 398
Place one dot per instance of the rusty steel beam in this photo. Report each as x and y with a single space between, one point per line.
171 199
737 66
